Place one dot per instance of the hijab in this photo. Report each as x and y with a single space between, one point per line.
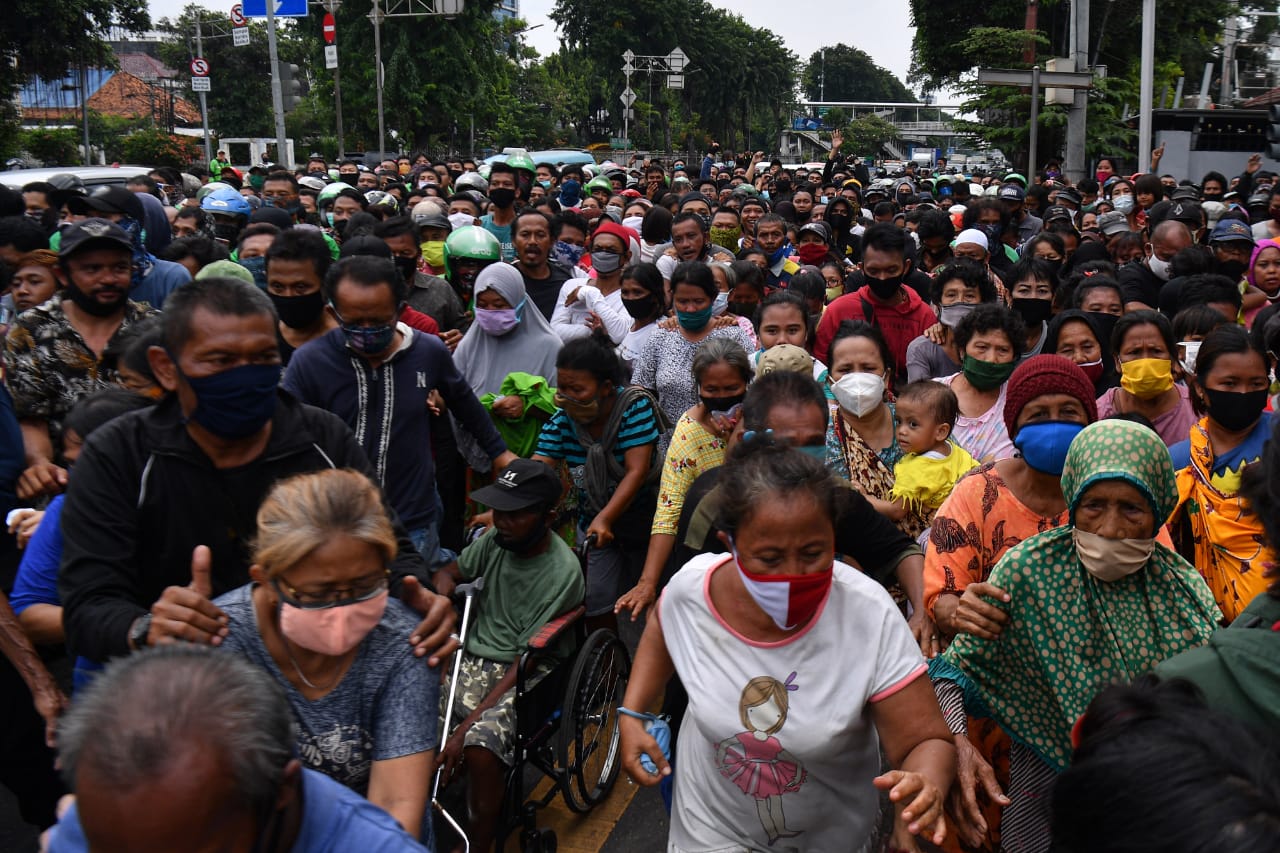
531 347
1108 378
1258 249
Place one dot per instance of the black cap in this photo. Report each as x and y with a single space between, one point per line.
110 199
93 234
276 216
1057 211
522 484
364 245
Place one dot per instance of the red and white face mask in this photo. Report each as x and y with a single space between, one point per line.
789 600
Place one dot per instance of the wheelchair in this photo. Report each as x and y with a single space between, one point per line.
566 727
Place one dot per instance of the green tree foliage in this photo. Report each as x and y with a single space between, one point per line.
52 146
157 147
851 75
866 134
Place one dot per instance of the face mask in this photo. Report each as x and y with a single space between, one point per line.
433 253
859 394
782 186
403 168
839 223
727 237
349 179
407 267
1102 176
1033 311
813 254
1233 270
524 543
1110 560
566 253
333 631
614 212
1191 350
884 288
640 309
226 232
370 340
546 185
583 413
1235 410
257 266
1044 444
91 305
743 309
722 405
502 197
779 254
497 321
1123 204
986 375
720 305
993 233
1146 378
1092 369
789 600
814 451
951 315
235 403
606 263
298 312
1159 268
694 321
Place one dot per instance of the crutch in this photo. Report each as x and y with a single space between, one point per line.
468 590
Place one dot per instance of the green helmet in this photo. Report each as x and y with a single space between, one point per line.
213 186
1014 176
470 242
600 183
520 159
330 192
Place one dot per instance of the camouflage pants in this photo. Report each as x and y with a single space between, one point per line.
495 729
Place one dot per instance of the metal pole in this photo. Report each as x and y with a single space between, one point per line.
1077 116
822 89
1035 118
204 103
1177 93
331 6
1228 53
472 117
376 14
277 96
1203 103
84 115
1145 83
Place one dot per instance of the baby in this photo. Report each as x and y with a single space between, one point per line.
933 462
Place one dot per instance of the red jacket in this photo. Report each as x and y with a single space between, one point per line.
900 324
417 320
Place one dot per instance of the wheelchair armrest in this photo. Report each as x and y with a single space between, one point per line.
549 632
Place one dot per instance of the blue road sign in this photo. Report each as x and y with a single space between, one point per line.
284 8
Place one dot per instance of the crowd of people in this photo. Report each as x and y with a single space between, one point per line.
952 497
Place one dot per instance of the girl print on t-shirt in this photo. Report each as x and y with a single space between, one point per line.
756 761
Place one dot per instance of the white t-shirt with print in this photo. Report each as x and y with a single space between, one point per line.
752 775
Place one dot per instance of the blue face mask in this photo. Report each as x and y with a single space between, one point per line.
694 321
816 451
369 340
1044 445
566 253
235 403
257 266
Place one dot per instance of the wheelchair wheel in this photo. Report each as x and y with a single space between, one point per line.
589 737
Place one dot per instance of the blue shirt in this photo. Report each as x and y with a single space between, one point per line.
334 820
503 233
165 277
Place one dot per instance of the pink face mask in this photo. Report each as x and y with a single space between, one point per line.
332 631
497 321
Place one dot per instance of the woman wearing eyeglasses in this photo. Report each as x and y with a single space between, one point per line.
317 616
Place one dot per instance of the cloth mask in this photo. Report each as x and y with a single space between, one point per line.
789 600
433 253
332 631
1102 176
884 288
986 375
1033 311
407 267
993 232
566 253
1092 369
722 405
640 309
257 266
235 403
951 315
1236 410
694 321
780 254
298 312
605 263
497 321
1110 560
583 413
1044 444
727 237
813 254
859 393
1146 378
502 197
369 340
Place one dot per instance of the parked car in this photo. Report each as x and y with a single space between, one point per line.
92 176
555 156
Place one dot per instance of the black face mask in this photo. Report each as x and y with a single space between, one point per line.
722 404
524 543
1233 270
408 267
839 223
884 288
298 312
640 309
1236 410
1033 311
91 306
743 309
502 197
782 186
349 179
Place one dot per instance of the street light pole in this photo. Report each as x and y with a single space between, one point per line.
1145 83
277 97
204 103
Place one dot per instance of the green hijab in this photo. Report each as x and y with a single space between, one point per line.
1069 634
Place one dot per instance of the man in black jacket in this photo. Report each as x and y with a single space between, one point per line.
162 512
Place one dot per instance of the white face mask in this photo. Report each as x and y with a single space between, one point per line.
1110 560
1190 350
1160 269
859 393
1123 204
720 305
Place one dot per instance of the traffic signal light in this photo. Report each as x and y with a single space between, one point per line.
292 84
1273 133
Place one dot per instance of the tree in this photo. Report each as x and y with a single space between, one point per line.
57 146
850 75
157 147
867 134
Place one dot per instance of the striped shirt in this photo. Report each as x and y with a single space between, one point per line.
559 438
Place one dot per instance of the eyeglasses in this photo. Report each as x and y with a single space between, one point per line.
337 596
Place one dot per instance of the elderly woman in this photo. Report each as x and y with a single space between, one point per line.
1076 336
782 736
1144 349
953 292
318 618
990 341
1095 601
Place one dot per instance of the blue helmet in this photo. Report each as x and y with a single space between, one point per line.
227 202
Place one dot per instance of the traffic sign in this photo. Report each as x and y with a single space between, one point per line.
628 55
239 36
200 84
329 28
628 97
284 8
199 67
675 81
330 56
237 16
619 142
676 60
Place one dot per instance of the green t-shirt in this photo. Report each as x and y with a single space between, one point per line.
520 596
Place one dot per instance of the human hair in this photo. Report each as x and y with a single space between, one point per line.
530 211
1151 185
1193 260
280 175
128 347
648 276
1198 320
935 223
146 182
749 274
1094 282
1143 317
1206 289
888 238
786 298
1215 176
1028 268
808 283
862 329
772 219
761 689
730 275
572 220
1155 769
302 244
760 473
257 229
695 274
884 208
137 720
1227 339
991 318
713 351
224 297
690 216
768 392
23 234
1054 241
656 225
939 399
591 354
366 271
303 512
37 258
396 226
1124 241
975 209
204 250
968 273
90 412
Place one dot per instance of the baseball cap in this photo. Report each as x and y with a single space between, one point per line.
1231 230
1012 192
431 218
1187 212
1185 193
1057 211
820 228
1069 196
1113 222
93 233
109 199
522 484
784 358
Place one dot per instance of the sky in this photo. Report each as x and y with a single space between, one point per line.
883 30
